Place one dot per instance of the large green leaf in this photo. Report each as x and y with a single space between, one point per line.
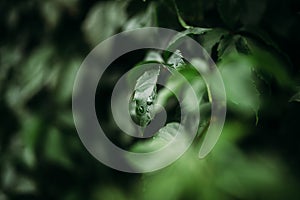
241 92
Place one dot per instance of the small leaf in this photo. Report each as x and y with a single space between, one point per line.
176 60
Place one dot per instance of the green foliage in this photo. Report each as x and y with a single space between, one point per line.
110 15
228 173
253 44
212 38
176 41
160 139
176 60
241 92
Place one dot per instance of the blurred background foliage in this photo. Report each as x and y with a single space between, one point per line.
255 44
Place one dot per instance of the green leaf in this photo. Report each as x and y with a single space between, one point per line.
67 75
54 149
180 37
242 46
153 56
241 91
103 20
232 44
15 182
31 78
227 46
176 60
31 133
211 38
199 88
164 136
144 19
175 84
51 12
